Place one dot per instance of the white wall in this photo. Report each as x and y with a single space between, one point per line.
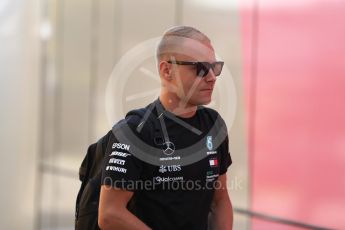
19 103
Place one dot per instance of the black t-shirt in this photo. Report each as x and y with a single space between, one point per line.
173 187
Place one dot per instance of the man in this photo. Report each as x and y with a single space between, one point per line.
193 148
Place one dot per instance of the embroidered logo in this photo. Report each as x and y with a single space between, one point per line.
209 143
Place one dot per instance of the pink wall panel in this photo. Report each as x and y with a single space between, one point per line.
296 67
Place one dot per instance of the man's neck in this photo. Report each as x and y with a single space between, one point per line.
176 106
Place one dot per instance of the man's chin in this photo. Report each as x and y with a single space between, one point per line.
203 102
199 101
206 103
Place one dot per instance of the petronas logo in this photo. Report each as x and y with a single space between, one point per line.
209 143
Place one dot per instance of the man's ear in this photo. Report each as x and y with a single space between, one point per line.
165 70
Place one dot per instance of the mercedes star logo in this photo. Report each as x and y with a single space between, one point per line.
168 148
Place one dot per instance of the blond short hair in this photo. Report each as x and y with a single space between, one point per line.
173 37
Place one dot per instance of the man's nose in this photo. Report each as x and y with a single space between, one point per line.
210 75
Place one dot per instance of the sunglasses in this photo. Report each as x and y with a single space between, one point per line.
202 68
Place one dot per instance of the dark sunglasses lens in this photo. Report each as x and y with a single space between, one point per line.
202 69
217 68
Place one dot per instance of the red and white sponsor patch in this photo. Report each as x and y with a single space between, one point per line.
213 162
